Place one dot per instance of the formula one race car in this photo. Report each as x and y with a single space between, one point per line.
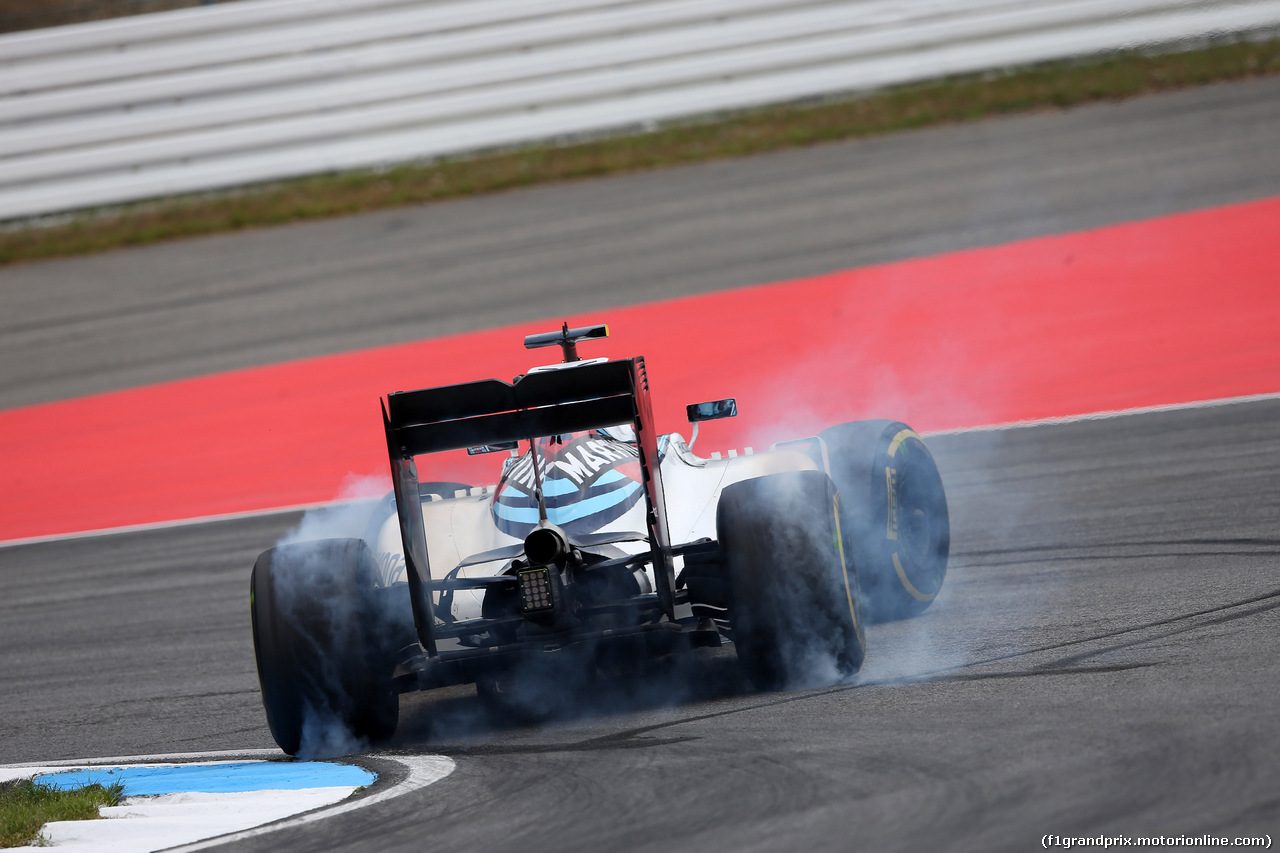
601 543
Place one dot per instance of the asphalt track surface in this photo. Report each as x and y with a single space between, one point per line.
1102 660
1103 656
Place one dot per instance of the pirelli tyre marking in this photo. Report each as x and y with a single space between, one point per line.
891 489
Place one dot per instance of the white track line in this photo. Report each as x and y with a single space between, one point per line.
257 513
1109 414
423 770
183 522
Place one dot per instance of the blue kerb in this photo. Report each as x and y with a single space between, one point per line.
215 778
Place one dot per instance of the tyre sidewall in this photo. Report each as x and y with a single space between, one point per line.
317 641
795 601
901 568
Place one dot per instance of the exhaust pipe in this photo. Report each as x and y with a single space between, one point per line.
546 545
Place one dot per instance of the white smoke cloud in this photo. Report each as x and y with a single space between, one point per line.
324 735
314 595
347 516
856 376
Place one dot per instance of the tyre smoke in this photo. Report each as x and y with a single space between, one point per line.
856 378
346 516
325 735
326 615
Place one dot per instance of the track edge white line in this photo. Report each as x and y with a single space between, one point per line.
183 522
422 771
1107 414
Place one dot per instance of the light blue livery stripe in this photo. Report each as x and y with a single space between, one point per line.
216 778
565 514
590 506
516 514
555 486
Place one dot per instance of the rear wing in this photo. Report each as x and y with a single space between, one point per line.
572 399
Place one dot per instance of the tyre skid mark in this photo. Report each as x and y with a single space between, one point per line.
1172 632
1206 618
1047 670
636 737
1086 552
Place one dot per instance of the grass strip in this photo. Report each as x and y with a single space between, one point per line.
960 99
17 15
25 806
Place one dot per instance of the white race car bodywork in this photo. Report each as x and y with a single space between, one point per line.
459 527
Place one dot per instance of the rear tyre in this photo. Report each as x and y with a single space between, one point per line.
796 607
893 512
322 655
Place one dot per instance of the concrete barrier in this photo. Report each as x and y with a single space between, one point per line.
220 96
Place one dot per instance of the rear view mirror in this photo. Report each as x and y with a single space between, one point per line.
713 410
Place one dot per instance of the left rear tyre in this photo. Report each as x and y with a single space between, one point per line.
317 638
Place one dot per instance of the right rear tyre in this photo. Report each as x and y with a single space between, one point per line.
893 509
796 607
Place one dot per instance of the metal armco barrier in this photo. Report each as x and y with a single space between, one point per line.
220 96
